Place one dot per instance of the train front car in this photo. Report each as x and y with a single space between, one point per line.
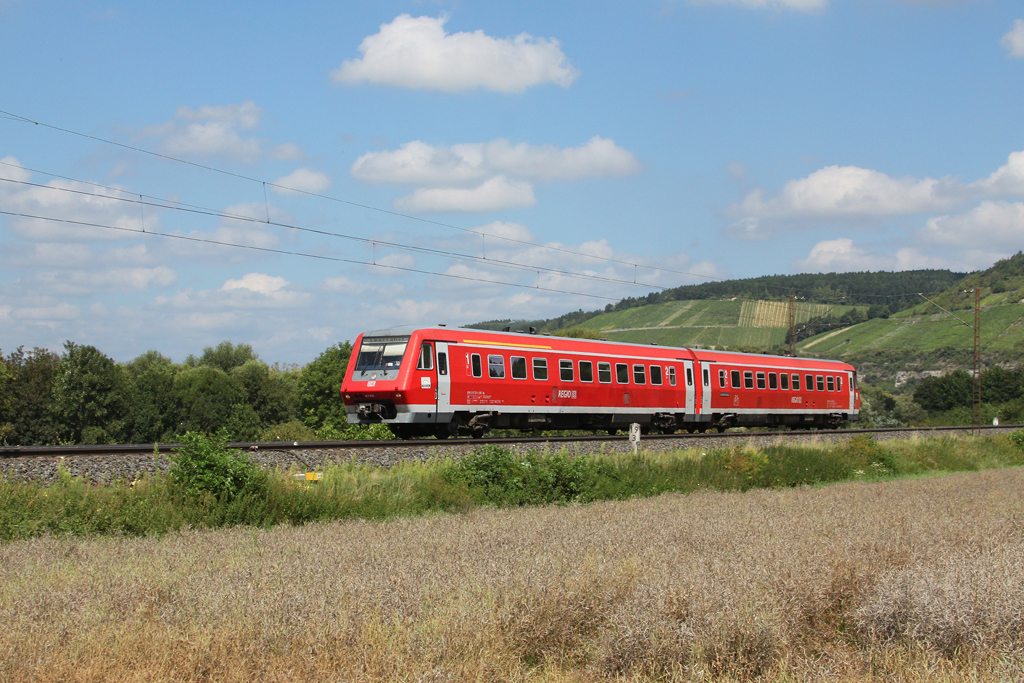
376 385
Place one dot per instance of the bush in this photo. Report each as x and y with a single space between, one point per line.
497 475
1017 438
347 432
204 466
288 431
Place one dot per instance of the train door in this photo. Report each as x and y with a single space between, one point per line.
444 385
705 388
690 388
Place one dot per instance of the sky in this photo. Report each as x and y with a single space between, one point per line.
173 175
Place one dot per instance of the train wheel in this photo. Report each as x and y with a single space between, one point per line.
721 428
613 432
477 433
442 432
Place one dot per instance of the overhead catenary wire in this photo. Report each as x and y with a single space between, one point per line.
321 257
11 116
192 208
24 119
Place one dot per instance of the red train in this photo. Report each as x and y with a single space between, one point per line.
455 381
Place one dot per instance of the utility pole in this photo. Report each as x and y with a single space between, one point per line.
976 415
976 394
792 326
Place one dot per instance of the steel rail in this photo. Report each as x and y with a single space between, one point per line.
137 449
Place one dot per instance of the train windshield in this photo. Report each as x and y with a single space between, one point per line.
381 353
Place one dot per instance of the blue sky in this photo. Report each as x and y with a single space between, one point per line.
495 160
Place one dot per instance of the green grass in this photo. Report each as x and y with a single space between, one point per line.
706 323
490 475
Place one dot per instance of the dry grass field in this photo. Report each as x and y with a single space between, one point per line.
914 580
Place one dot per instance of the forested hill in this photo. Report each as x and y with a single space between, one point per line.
893 291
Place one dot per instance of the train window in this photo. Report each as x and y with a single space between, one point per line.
821 383
796 382
586 371
831 383
442 363
735 379
604 373
760 380
518 366
639 375
565 370
540 369
672 375
622 373
426 361
809 382
478 369
689 377
707 377
748 379
721 379
784 380
839 382
773 382
655 374
496 367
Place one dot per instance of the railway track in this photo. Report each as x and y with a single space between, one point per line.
106 463
112 450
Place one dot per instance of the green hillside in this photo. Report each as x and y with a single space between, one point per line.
925 338
876 321
735 323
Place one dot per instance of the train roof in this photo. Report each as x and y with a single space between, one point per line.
701 353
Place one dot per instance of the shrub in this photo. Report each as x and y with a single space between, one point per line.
1017 438
203 465
374 432
288 431
497 475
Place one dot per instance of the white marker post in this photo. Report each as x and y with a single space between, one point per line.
634 436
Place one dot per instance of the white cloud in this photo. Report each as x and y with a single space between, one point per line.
1013 41
216 131
494 194
417 163
799 5
488 176
303 180
995 225
47 314
1007 180
843 255
849 191
70 200
416 52
84 283
256 282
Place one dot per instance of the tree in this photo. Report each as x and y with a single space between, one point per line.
999 385
319 387
154 404
271 393
225 356
28 393
90 396
205 398
936 394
